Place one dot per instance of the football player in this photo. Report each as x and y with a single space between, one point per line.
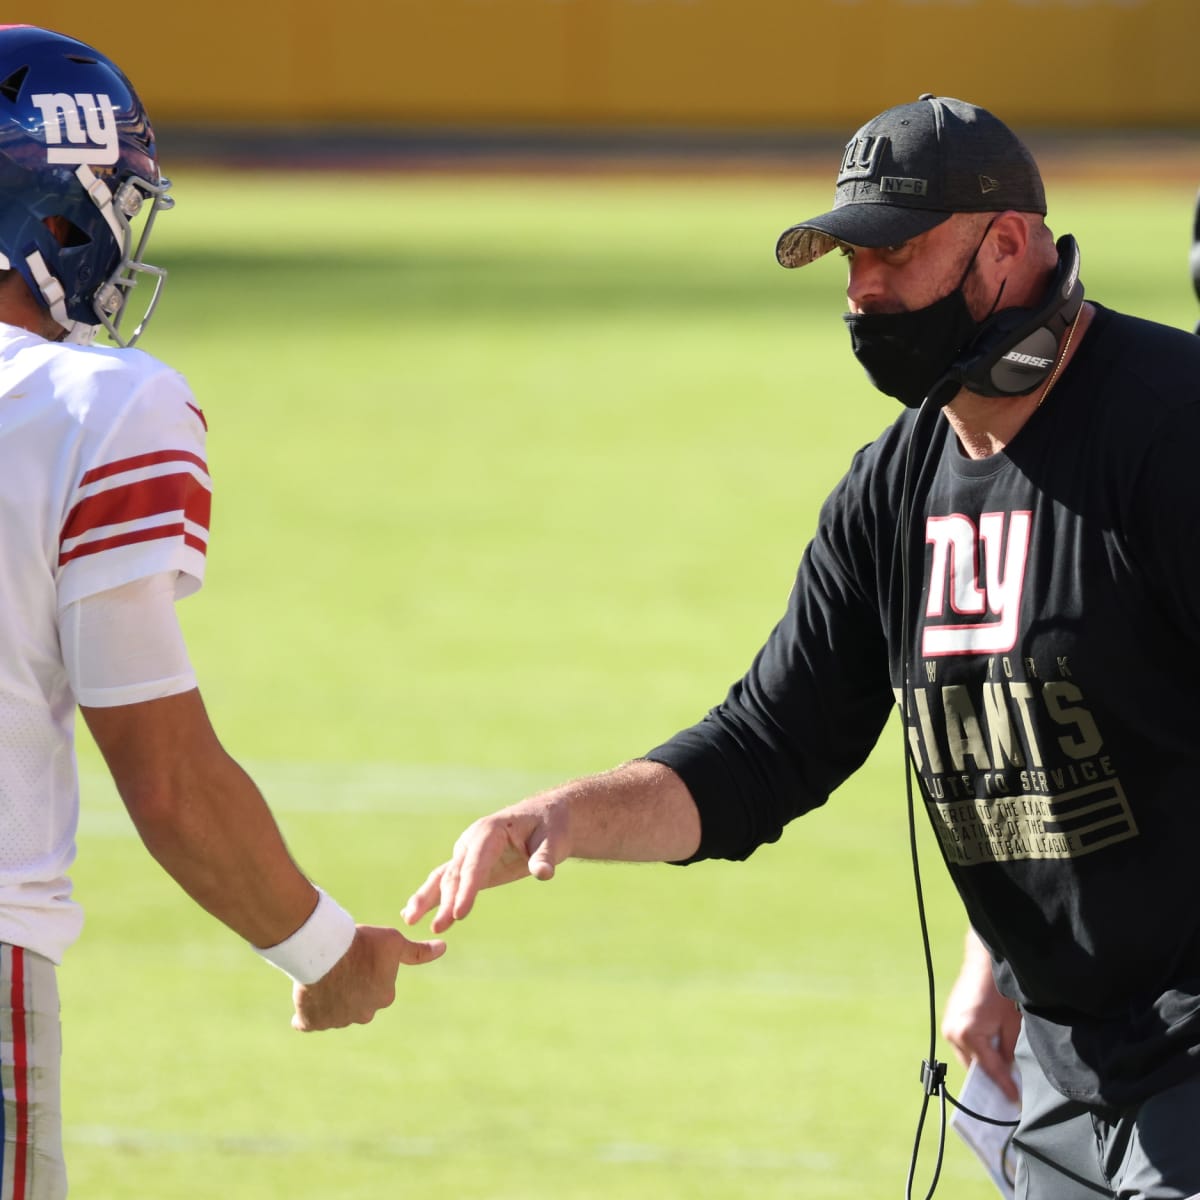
104 507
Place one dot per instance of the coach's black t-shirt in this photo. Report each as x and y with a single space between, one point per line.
1054 715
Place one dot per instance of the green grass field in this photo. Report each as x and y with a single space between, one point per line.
512 477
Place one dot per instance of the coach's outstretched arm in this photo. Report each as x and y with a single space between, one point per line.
202 817
638 812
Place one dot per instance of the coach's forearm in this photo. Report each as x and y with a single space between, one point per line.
638 812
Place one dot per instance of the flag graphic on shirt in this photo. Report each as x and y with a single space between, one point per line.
162 495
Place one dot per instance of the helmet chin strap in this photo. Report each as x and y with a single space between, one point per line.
79 334
76 332
54 297
50 288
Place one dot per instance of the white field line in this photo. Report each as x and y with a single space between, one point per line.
343 788
147 1141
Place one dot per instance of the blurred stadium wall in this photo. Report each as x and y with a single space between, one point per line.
719 65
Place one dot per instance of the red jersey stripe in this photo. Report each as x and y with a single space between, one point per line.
134 537
196 409
20 1141
142 460
180 491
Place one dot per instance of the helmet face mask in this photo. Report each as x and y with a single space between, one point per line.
76 144
111 298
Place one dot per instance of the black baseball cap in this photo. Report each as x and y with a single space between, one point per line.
909 169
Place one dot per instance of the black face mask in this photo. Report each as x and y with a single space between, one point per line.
906 353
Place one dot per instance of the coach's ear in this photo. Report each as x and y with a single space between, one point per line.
1009 239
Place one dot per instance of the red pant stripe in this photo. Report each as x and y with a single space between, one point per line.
20 1074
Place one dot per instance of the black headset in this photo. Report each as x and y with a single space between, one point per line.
1016 348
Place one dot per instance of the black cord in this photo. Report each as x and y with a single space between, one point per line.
970 1112
933 1072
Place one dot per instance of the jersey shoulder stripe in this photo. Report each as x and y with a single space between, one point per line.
165 494
138 461
191 534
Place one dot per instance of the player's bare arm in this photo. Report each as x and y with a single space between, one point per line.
638 812
204 820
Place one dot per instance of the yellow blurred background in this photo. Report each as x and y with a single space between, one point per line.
721 65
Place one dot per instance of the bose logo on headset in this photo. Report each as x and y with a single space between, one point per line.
92 140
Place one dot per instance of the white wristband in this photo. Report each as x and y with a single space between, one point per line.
313 949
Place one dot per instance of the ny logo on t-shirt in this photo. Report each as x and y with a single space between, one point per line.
975 571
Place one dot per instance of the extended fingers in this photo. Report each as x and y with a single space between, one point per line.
425 897
478 856
494 850
440 890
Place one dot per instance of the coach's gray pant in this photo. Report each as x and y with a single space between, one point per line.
1068 1152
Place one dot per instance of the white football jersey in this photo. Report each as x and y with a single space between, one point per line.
103 481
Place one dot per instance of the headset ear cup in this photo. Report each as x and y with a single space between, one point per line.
1014 350
1022 368
983 369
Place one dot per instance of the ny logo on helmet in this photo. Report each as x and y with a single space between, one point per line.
92 140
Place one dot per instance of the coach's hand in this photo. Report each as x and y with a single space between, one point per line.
529 838
980 1023
361 982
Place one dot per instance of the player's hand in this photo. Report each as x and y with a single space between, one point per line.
361 982
529 838
982 1025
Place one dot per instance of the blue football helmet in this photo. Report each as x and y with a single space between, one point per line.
75 143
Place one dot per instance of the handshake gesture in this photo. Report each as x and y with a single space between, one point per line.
638 812
496 849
